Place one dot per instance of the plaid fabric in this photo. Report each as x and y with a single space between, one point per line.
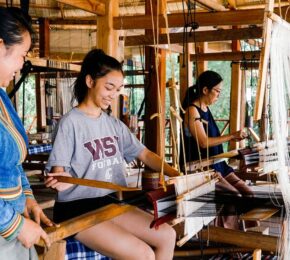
39 148
77 251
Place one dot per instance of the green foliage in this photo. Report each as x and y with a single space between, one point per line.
29 101
221 109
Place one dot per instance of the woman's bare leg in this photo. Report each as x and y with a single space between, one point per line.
114 241
129 236
162 240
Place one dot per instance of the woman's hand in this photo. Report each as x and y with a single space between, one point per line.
30 234
33 209
239 135
53 183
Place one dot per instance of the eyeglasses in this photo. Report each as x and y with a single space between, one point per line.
218 91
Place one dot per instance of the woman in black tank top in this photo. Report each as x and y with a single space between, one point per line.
197 135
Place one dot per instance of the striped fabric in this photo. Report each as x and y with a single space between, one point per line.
11 193
11 230
28 193
77 251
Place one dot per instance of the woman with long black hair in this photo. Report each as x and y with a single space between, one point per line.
201 132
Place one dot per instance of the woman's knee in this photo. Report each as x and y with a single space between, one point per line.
168 237
143 251
171 236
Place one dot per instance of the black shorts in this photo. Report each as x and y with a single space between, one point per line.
66 210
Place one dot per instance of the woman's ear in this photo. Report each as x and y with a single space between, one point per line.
205 91
2 47
89 81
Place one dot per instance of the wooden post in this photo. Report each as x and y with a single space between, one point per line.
44 44
235 108
257 254
243 104
155 128
185 71
40 103
201 66
108 38
55 252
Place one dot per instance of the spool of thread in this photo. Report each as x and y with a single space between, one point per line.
150 180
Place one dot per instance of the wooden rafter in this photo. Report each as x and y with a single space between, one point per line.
231 56
237 17
205 36
213 5
92 6
55 64
203 19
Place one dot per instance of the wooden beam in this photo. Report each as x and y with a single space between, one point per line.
232 18
203 36
67 56
70 21
240 238
54 64
231 56
213 5
210 251
241 17
85 221
92 6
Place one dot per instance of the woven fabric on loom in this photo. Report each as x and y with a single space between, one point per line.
40 148
240 256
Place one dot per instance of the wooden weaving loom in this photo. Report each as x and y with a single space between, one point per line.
177 204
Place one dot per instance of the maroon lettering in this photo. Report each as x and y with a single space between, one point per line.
109 146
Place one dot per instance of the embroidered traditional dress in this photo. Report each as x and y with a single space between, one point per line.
14 186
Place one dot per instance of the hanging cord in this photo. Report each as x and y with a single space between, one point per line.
159 113
146 82
174 96
207 143
194 26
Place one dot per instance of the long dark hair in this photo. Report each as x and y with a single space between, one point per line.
13 23
97 64
207 79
